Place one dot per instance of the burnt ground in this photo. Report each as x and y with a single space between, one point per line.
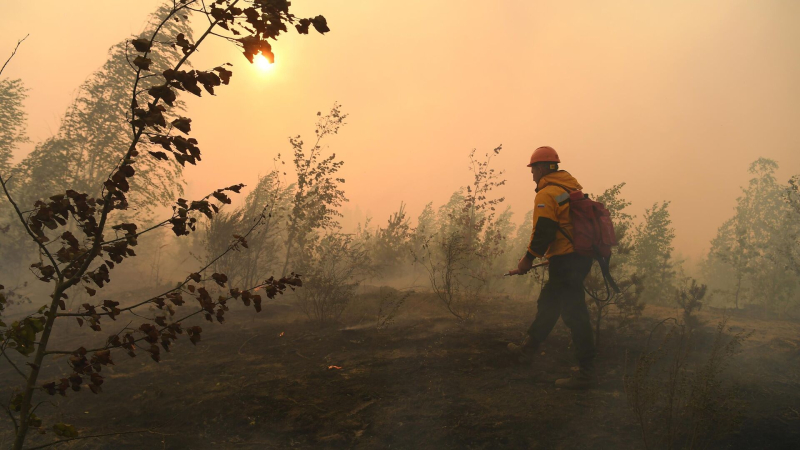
273 380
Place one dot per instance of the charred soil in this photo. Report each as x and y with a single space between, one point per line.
274 380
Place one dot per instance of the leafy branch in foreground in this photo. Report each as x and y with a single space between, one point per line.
71 229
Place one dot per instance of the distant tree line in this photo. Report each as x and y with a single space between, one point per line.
753 260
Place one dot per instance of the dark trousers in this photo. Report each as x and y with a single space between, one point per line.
562 295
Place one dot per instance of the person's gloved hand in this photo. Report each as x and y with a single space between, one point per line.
523 266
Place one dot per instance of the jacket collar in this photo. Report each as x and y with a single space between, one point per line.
559 177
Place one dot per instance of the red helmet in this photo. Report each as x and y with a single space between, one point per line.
544 154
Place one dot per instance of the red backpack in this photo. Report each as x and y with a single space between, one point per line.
592 231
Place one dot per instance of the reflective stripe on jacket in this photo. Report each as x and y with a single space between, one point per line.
551 211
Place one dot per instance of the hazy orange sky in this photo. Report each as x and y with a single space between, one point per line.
676 98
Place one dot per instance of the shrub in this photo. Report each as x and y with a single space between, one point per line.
677 396
335 266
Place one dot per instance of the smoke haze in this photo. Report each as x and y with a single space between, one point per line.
674 98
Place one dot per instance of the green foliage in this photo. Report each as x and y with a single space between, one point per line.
460 254
792 250
689 296
300 221
95 127
752 257
268 205
12 120
496 247
93 131
21 335
390 247
651 256
478 210
616 310
317 193
12 133
426 226
335 266
612 199
526 285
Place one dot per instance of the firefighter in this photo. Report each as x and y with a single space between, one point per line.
562 295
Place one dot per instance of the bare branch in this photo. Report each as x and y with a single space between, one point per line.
232 246
205 11
232 39
3 351
24 222
13 419
201 310
13 53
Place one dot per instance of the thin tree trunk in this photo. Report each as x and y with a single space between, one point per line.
30 385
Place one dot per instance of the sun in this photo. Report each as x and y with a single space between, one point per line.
262 63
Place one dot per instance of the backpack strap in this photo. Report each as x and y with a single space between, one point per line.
561 202
604 263
563 198
605 268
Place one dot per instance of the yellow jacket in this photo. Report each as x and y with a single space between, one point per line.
551 211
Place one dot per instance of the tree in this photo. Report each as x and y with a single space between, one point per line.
479 210
459 256
87 261
317 193
522 285
792 251
426 225
689 296
627 303
84 149
426 221
267 204
12 133
96 124
652 254
497 247
390 247
12 120
751 257
731 250
336 266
